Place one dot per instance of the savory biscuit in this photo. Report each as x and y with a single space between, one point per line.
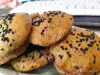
50 27
31 60
78 52
14 30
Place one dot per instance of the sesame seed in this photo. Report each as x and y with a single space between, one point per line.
12 32
98 49
61 56
76 37
62 15
18 60
41 54
49 20
2 49
94 61
89 45
13 40
77 41
72 33
23 66
32 66
52 59
62 47
69 54
97 45
70 45
95 73
23 61
76 67
70 18
78 44
32 57
83 50
42 32
10 45
76 48
67 42
66 48
92 36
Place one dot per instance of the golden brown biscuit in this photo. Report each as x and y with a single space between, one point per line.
34 15
14 30
31 60
50 27
79 52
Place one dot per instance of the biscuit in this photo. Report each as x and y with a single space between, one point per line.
50 27
78 52
31 60
14 30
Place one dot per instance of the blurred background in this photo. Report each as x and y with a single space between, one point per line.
86 13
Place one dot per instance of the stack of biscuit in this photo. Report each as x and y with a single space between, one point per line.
32 41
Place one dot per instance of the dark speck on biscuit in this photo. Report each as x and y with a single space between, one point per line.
61 56
23 66
83 50
37 23
98 49
67 42
94 59
2 49
52 59
41 54
86 39
70 18
10 45
70 45
62 47
5 39
76 67
76 37
32 57
42 32
12 32
97 45
18 60
62 15
78 44
10 16
32 66
23 61
49 20
66 48
81 34
77 41
76 48
95 73
72 33
68 54
92 36
13 40
90 44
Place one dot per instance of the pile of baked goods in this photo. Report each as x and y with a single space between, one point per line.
29 42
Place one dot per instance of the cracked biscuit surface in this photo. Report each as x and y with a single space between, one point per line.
14 30
31 60
78 52
50 27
